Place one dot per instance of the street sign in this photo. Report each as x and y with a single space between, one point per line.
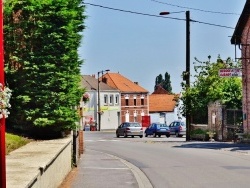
235 72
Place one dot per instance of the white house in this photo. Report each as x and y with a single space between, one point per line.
109 104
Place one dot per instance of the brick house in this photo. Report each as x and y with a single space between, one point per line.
134 98
241 38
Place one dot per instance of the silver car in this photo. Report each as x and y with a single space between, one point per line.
178 128
129 129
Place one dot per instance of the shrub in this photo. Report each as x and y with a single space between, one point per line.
198 131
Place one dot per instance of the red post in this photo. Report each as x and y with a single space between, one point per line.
2 120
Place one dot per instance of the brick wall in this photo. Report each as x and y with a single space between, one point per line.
134 109
245 50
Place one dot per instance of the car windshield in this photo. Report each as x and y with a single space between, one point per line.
162 126
134 125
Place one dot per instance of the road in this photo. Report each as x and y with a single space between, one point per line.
173 162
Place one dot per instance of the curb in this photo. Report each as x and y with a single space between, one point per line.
140 177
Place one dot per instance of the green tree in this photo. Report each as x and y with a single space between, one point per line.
42 63
209 87
165 83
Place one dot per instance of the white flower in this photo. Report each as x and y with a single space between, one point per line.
5 94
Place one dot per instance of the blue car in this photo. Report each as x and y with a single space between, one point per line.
157 129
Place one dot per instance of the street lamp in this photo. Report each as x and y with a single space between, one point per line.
186 75
99 101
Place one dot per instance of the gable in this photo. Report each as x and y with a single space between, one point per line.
242 23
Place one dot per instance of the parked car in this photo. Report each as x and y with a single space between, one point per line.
178 128
157 129
129 129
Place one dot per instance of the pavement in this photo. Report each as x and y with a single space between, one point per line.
100 170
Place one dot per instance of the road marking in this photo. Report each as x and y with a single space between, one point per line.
100 168
102 140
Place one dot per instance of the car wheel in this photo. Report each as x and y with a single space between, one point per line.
167 135
125 135
154 134
146 135
141 136
177 134
159 135
117 135
132 136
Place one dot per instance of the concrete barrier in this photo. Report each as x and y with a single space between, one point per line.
39 164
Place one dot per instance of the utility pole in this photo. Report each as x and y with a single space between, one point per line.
187 75
2 120
99 100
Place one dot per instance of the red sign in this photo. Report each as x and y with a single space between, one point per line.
230 72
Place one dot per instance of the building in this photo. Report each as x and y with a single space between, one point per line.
134 98
241 38
109 104
169 108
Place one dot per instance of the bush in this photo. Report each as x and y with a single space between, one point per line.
198 131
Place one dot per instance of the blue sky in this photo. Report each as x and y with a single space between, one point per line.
141 47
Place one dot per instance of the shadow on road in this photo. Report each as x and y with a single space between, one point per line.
216 145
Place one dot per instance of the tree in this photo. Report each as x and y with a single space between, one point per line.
42 63
209 87
165 83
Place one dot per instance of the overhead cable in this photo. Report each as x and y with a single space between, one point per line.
201 10
159 16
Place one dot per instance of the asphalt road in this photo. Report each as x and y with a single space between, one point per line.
173 162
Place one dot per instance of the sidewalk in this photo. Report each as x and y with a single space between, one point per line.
101 170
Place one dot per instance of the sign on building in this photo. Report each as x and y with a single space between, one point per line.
236 72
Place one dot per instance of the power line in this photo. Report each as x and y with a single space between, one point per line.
158 16
201 10
128 11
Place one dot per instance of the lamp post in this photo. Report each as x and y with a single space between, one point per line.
186 75
2 120
99 101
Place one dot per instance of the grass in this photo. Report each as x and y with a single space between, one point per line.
14 142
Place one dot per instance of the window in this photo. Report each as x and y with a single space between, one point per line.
116 99
105 99
134 102
135 119
111 99
126 101
142 102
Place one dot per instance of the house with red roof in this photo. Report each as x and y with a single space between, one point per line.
164 107
134 98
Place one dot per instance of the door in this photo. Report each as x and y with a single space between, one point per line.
172 128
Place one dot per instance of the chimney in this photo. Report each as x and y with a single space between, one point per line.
136 83
104 79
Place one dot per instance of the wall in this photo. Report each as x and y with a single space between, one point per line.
215 120
39 164
245 54
135 112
